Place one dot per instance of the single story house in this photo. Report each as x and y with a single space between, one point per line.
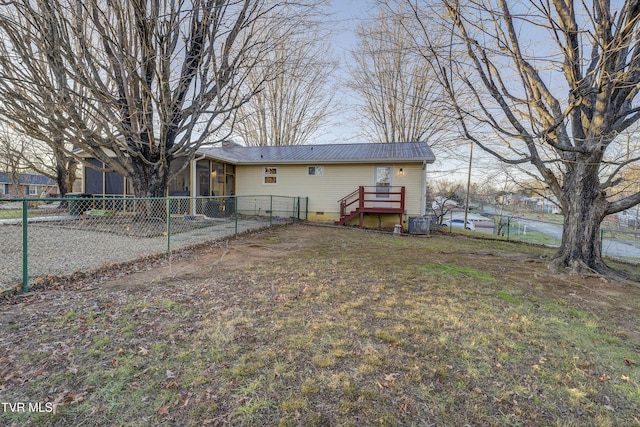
27 185
376 185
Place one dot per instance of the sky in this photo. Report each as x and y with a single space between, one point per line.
345 16
344 127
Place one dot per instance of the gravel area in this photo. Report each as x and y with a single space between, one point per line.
59 251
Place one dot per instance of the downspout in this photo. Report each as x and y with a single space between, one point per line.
423 198
194 180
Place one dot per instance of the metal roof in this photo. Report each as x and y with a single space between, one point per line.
399 152
28 179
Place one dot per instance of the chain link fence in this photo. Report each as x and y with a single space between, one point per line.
58 237
617 242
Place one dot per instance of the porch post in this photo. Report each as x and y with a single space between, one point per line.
423 197
361 205
402 194
192 186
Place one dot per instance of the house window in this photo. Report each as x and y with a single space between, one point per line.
4 189
32 190
315 170
270 175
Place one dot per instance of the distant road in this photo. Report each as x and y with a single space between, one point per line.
610 247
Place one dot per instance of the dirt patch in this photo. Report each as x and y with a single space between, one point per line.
207 262
198 262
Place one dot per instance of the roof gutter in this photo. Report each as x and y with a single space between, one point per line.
324 161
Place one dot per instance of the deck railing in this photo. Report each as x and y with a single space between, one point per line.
372 199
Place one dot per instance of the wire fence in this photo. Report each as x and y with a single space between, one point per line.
617 241
59 237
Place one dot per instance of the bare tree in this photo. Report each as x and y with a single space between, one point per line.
402 100
556 82
295 99
11 164
30 110
20 154
446 198
499 190
52 159
138 84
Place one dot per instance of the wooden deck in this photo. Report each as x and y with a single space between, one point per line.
371 200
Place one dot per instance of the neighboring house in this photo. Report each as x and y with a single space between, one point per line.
549 204
442 203
28 185
387 181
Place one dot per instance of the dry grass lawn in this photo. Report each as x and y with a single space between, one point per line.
306 325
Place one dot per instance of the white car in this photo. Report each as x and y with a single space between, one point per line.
458 223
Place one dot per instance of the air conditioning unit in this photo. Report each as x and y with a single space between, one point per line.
419 224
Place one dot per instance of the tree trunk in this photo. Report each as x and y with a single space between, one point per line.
65 167
65 175
584 205
150 181
72 170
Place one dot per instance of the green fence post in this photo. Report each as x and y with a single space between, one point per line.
298 216
270 211
508 227
25 247
168 226
235 210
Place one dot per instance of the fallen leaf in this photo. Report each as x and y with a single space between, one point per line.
163 410
390 377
